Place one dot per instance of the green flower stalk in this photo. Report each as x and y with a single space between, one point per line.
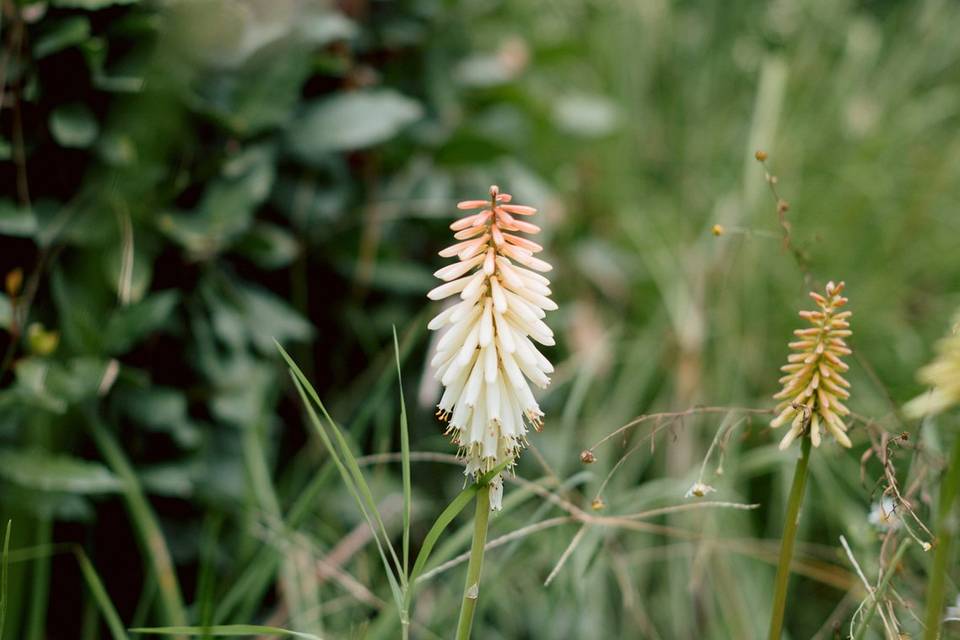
812 398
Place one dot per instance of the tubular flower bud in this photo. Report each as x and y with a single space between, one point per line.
486 357
943 376
813 385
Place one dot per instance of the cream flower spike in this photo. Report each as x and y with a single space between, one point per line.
486 355
814 387
943 376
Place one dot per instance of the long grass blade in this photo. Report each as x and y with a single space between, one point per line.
226 630
3 577
100 596
405 464
349 481
346 454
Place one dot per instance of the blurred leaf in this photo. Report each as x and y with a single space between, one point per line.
325 28
31 385
17 221
55 505
60 34
350 121
262 93
130 324
269 317
174 480
73 125
6 311
91 5
269 246
160 409
77 379
48 472
402 276
588 116
228 204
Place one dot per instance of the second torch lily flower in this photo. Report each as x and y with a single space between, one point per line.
487 355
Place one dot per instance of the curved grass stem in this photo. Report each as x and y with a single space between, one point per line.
946 532
790 522
471 590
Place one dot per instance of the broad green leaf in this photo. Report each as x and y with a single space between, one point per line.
6 311
77 379
327 27
270 317
350 121
159 409
73 125
588 116
90 5
50 472
17 221
269 245
130 324
225 211
61 34
226 630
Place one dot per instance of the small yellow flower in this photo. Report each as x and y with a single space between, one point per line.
41 341
943 376
14 282
717 230
814 387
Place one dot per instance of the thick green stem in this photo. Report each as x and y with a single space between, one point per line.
471 590
790 522
946 532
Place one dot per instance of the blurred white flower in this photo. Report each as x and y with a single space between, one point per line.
884 516
698 490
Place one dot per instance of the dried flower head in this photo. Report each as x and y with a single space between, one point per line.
486 355
814 387
943 376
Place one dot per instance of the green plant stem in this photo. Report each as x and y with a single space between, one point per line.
471 590
946 531
789 536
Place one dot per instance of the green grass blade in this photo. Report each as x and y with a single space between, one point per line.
349 481
347 457
405 464
152 542
3 577
205 579
443 521
226 630
100 596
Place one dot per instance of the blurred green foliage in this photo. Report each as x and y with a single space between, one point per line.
185 182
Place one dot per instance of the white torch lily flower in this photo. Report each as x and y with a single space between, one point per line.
486 356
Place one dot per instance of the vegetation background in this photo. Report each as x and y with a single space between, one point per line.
183 182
